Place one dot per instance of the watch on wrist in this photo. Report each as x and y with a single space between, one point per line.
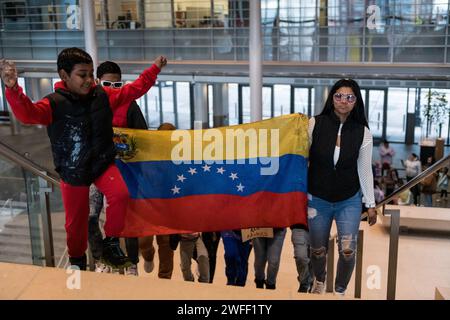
370 206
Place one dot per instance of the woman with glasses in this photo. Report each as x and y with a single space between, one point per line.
339 179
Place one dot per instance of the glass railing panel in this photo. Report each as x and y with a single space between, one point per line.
22 223
15 228
58 230
34 217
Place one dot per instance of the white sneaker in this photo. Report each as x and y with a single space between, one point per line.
341 294
318 287
132 270
115 270
149 266
102 268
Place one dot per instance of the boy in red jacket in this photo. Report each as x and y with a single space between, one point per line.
109 74
78 116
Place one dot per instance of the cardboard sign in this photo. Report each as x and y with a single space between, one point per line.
251 233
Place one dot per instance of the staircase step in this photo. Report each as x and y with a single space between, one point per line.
7 252
16 259
51 284
25 243
27 228
21 253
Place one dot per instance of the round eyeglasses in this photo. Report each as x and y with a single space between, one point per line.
350 98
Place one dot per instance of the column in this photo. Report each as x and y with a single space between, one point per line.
255 61
201 106
90 36
220 104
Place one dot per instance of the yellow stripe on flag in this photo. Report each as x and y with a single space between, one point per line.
268 138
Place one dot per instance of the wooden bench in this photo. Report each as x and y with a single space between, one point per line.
421 218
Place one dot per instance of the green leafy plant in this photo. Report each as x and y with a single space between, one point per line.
435 110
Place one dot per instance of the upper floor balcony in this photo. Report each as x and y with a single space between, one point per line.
364 32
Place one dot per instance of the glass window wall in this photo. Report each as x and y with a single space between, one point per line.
168 108
282 99
183 105
233 104
435 125
389 110
266 100
397 102
333 31
153 113
376 112
302 101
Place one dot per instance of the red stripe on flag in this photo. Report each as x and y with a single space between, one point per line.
214 213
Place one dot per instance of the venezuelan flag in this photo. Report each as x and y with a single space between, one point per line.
250 175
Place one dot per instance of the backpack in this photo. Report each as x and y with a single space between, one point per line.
428 181
428 184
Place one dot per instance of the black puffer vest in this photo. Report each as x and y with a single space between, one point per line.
326 181
81 135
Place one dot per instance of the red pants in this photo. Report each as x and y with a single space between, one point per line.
76 205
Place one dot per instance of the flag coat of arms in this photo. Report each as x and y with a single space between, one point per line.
236 177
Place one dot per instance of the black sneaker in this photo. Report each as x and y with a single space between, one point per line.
113 254
259 284
304 289
80 262
270 286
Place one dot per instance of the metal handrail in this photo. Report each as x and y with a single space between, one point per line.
416 180
395 223
393 238
27 164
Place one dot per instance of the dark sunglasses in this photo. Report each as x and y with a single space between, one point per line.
106 83
340 96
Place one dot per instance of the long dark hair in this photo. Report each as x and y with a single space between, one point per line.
358 115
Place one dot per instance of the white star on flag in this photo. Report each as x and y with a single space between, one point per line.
240 187
206 168
192 171
234 176
221 170
181 178
176 190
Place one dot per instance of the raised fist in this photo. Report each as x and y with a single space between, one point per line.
8 72
161 62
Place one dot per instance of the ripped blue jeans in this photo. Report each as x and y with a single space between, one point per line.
347 214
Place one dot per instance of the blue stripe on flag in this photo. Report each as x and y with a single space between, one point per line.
164 179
